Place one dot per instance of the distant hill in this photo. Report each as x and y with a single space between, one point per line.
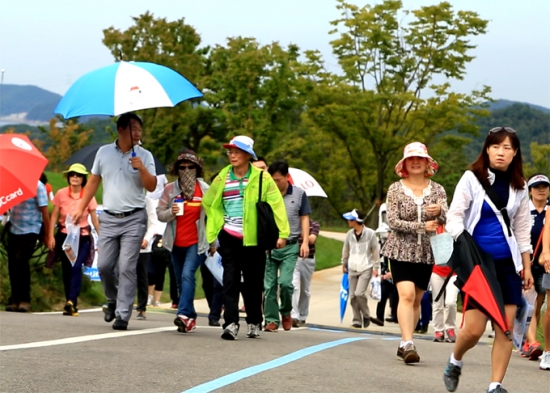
501 104
532 125
37 103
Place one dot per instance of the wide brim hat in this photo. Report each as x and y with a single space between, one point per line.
77 168
538 180
190 155
416 149
243 143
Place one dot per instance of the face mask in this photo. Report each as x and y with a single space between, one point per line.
187 180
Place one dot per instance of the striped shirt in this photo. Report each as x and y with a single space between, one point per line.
26 216
297 205
233 197
314 228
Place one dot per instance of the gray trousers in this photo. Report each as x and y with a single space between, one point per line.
118 253
301 280
358 285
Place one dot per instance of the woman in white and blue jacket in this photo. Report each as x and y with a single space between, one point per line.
499 165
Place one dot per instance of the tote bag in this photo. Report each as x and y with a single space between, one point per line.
442 247
268 232
71 243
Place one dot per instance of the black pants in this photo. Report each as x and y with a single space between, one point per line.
251 262
72 274
20 250
213 291
142 282
161 260
388 292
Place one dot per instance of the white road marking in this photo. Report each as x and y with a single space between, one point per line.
61 312
94 337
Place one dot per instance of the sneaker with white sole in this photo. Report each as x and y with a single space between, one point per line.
230 332
181 322
253 330
545 361
191 324
150 300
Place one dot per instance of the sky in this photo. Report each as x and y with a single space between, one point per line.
51 43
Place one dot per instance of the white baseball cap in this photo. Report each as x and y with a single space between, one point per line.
537 180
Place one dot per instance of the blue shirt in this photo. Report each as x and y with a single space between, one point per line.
26 216
488 232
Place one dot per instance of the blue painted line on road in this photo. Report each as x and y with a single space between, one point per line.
327 330
250 371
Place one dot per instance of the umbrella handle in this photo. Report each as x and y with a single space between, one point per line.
133 151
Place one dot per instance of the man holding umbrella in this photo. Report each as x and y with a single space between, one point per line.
127 171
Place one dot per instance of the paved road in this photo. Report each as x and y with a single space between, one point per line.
83 354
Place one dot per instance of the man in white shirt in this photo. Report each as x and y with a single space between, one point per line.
361 260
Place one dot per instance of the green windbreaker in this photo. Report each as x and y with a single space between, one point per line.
212 202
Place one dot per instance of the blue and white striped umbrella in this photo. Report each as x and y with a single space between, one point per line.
125 87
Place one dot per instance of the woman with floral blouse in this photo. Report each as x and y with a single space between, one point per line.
416 207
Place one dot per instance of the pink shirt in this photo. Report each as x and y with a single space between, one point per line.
67 204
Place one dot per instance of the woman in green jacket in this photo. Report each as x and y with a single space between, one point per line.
230 204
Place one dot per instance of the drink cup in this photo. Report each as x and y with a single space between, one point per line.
179 203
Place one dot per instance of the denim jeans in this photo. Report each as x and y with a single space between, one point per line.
186 261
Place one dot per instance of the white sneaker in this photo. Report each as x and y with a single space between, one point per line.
545 361
149 300
156 304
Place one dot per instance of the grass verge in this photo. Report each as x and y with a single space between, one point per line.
328 253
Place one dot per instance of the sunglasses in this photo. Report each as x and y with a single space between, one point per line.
184 167
71 174
505 129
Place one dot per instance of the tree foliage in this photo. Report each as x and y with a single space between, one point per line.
388 94
64 139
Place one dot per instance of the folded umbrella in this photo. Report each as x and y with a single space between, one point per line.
21 165
86 157
125 87
476 277
344 290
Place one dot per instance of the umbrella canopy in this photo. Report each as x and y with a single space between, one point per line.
344 290
21 165
305 181
86 157
125 87
476 277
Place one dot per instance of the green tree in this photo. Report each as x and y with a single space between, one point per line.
255 88
539 160
393 88
63 138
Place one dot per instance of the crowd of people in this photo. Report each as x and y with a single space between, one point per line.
149 225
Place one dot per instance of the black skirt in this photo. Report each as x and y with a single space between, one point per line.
418 273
